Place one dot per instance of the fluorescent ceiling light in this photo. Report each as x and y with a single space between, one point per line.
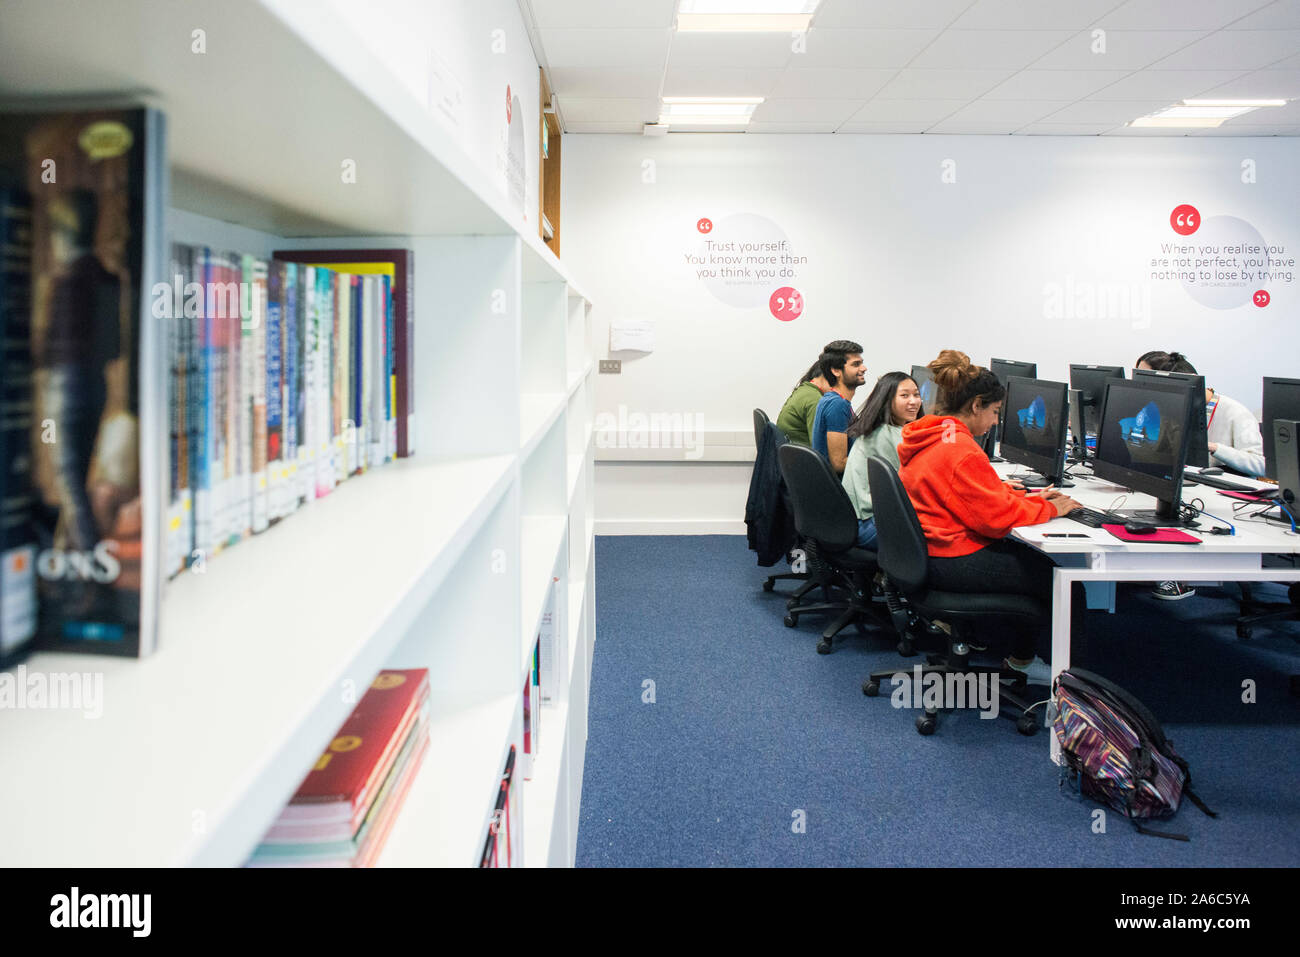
736 16
708 110
1203 113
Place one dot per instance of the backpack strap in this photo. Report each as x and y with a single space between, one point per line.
1191 796
1150 833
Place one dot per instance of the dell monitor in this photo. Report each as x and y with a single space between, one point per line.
1198 450
1003 369
929 390
1142 444
1281 401
1034 430
1091 381
1078 437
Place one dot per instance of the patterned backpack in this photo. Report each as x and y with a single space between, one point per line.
1116 752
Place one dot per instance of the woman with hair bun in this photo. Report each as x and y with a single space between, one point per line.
965 510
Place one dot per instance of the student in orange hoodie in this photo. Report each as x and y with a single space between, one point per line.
965 510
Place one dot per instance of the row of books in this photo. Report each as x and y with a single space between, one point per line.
287 378
343 811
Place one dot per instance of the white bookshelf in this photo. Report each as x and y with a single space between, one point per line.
440 561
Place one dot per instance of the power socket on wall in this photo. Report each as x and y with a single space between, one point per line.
611 366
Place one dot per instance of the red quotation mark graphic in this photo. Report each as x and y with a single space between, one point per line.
705 225
1262 298
509 103
1185 219
786 304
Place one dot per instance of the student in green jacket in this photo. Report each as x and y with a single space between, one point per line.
894 402
797 415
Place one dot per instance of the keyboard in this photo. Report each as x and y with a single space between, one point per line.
1216 481
1093 518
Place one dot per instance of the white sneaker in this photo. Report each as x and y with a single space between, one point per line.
1037 672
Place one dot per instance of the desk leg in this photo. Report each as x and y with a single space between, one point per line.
1061 582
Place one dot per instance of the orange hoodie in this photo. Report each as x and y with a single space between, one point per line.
959 499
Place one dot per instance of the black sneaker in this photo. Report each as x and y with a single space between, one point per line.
1172 591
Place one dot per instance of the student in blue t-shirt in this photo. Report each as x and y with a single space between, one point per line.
845 372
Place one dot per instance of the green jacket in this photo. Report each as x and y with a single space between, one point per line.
798 413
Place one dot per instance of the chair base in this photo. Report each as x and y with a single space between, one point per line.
1258 613
857 608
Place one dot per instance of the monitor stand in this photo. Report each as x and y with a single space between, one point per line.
1034 480
1165 515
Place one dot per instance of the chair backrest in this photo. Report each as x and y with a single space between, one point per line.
900 543
760 423
822 510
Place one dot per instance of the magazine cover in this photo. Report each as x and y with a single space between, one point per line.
99 424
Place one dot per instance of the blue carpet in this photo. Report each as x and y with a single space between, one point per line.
749 726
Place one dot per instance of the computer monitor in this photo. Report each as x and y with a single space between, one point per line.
1281 401
1091 381
1004 369
929 391
1034 431
1198 450
1142 443
1078 436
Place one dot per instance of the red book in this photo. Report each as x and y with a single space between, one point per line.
350 771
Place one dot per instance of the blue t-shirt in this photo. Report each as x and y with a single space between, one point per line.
834 413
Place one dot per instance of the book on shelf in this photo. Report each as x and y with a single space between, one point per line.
99 437
398 265
532 713
550 640
501 846
17 532
341 814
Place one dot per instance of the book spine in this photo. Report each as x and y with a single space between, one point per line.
166 310
338 377
358 353
406 360
18 604
274 389
324 432
235 430
242 523
194 385
390 374
290 366
260 490
205 533
183 536
305 380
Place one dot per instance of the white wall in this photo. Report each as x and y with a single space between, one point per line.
907 263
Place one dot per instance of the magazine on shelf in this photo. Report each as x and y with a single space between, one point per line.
99 438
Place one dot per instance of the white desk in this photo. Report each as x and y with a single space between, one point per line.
1103 558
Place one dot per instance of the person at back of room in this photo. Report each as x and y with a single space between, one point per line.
876 430
800 409
966 511
1232 435
845 372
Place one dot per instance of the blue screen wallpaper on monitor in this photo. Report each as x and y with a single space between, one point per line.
1034 415
1143 427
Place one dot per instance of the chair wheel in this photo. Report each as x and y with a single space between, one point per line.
792 604
871 688
790 621
1027 725
925 723
824 647
905 647
862 628
936 659
1244 632
769 584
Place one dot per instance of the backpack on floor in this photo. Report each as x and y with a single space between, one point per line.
1116 752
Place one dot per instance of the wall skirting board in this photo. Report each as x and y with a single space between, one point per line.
684 526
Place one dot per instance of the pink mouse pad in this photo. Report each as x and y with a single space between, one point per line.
1161 536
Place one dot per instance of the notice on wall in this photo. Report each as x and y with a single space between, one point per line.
511 160
747 262
1221 261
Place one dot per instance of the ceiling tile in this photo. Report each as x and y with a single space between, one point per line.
807 111
1234 50
787 127
1268 116
1252 131
1280 15
974 129
884 14
1122 50
609 109
1178 14
1118 111
1054 84
1032 14
942 84
1014 112
1066 129
902 111
856 84
606 49
1260 85
861 49
1168 85
624 127
896 126
720 82
601 14
568 81
732 51
988 49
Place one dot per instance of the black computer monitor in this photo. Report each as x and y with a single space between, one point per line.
1142 443
1078 436
1281 401
1004 369
929 390
1198 450
1033 433
1091 381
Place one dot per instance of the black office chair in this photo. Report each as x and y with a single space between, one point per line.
1258 613
905 560
807 582
825 520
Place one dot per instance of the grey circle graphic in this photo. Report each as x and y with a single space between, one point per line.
728 282
1219 240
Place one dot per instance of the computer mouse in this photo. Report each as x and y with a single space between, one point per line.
1211 470
1137 528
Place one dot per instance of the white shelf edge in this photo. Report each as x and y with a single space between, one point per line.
540 540
542 791
534 425
575 383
